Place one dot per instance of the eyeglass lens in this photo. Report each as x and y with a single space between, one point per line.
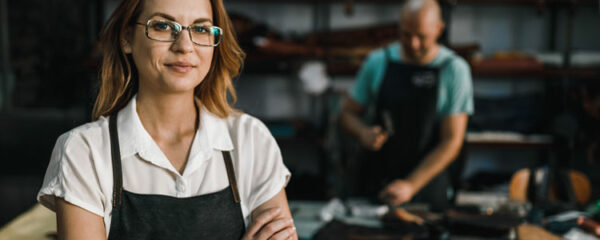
162 30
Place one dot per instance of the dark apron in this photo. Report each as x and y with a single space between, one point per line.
146 216
406 107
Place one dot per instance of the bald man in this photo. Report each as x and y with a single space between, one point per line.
417 96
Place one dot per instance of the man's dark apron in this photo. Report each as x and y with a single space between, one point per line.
144 216
407 107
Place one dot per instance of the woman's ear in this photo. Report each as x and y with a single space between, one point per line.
126 42
126 46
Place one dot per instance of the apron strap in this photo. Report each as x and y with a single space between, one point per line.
387 54
116 160
231 175
445 63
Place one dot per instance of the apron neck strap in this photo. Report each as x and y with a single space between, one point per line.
386 51
116 160
231 175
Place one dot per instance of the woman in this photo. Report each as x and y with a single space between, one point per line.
167 157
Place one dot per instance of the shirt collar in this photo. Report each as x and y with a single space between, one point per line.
212 133
396 48
216 128
133 138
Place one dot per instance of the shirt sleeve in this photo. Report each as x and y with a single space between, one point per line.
71 176
362 89
269 174
459 87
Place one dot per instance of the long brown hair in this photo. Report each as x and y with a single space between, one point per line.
118 76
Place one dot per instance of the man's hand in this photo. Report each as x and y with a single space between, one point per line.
269 224
373 138
397 192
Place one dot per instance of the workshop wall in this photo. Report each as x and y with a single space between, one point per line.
53 71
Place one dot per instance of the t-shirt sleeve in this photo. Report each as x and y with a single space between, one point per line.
71 176
361 91
269 174
459 86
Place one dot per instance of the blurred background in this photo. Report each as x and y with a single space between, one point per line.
535 67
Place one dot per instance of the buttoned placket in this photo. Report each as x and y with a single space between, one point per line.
181 186
202 149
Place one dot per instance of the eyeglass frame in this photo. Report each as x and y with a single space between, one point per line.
146 25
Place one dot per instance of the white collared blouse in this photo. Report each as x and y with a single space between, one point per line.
80 169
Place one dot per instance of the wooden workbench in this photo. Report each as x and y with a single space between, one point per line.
38 222
35 224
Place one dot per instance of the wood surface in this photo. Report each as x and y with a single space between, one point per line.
38 223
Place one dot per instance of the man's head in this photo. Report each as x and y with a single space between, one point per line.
420 27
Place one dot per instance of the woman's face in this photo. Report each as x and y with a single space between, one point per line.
170 67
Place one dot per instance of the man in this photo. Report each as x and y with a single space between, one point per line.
422 95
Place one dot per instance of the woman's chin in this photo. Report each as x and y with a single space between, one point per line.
180 85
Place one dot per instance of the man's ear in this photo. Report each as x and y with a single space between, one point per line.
441 26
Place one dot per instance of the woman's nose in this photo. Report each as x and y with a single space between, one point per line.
183 42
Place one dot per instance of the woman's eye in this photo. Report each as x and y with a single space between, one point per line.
161 26
200 29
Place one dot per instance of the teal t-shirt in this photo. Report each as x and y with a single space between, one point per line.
455 94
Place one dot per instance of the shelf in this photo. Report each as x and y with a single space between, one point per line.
524 2
342 67
539 3
507 140
538 73
503 144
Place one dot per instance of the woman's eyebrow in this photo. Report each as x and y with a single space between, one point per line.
164 15
171 18
201 20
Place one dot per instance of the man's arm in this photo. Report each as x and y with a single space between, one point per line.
272 220
350 117
370 137
452 132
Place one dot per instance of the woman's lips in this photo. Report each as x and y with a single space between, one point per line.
180 67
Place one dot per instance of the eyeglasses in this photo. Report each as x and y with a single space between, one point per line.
168 31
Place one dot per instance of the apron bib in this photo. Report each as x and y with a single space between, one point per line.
145 216
406 108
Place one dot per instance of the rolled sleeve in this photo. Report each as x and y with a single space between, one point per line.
269 174
362 90
71 176
459 87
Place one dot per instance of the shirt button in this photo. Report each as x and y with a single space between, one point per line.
180 185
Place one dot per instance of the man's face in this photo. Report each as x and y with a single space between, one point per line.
418 35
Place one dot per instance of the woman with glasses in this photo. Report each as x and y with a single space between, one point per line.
167 157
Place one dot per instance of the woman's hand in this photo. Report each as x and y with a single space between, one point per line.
272 220
270 224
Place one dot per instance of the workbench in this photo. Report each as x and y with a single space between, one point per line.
39 223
